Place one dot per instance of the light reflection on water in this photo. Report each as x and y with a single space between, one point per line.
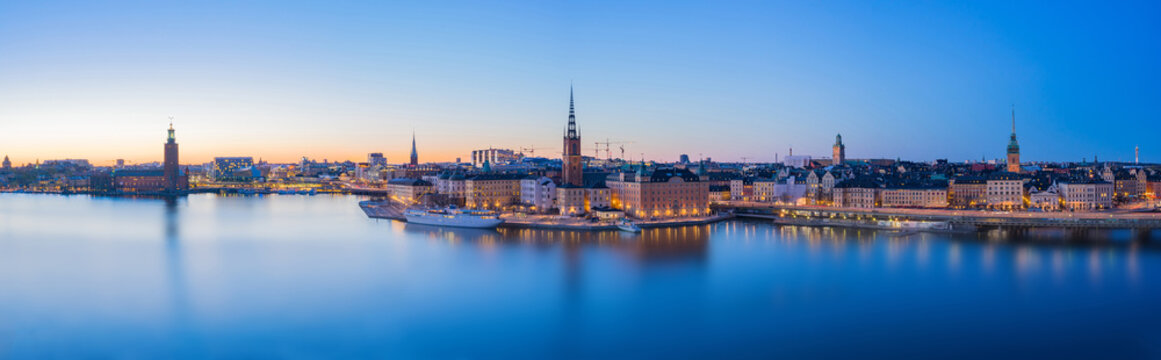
282 276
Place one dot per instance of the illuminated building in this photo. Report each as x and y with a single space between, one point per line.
1004 190
571 172
967 192
1087 194
240 168
492 191
839 150
863 193
408 191
1047 199
538 193
376 159
169 180
169 165
662 193
915 196
1013 148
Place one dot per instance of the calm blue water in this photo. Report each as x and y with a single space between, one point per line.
300 276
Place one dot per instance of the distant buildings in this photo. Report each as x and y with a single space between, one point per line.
239 168
376 159
7 163
171 179
494 156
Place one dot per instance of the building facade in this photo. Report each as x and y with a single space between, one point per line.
1005 191
408 191
662 193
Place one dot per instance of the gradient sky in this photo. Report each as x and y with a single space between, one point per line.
336 80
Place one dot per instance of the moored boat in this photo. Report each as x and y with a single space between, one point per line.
628 226
454 217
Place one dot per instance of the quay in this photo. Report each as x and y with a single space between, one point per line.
394 211
959 220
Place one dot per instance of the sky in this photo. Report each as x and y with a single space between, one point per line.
281 80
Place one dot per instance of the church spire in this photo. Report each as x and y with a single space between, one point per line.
1013 120
571 132
414 153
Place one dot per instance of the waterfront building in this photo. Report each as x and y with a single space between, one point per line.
789 190
1047 199
170 164
661 193
1087 194
538 193
494 157
1013 148
414 152
492 191
1004 190
408 191
593 194
915 196
235 168
719 193
859 192
170 179
571 167
839 150
967 192
742 189
1153 189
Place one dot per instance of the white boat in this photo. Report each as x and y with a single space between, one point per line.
628 226
454 217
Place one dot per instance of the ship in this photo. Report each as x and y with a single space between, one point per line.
628 226
454 217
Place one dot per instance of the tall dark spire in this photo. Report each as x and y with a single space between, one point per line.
414 153
1013 120
571 133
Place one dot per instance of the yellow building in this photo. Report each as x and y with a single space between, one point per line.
918 196
408 191
662 193
492 191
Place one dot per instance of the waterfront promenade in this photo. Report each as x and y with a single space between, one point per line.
1110 219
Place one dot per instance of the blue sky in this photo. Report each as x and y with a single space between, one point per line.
281 80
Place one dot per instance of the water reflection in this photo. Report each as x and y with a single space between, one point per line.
284 276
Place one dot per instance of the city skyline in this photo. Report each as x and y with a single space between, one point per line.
89 82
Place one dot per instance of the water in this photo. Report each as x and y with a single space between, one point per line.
311 277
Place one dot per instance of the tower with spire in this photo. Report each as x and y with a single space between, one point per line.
1013 147
169 168
571 160
414 153
840 150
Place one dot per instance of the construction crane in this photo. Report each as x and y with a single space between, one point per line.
531 150
608 148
